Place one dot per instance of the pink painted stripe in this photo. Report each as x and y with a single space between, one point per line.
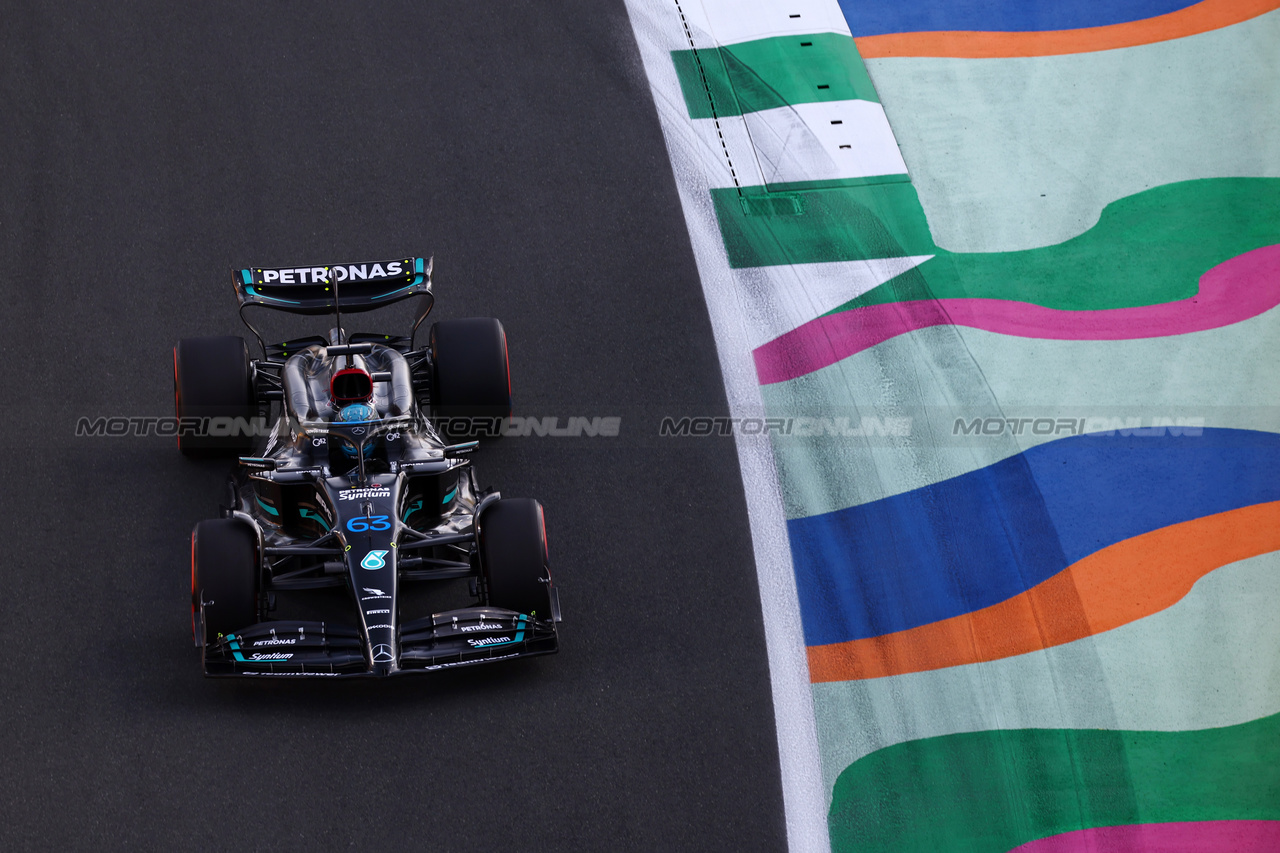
1237 289
1214 836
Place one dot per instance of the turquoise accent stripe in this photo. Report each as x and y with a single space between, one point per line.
303 512
519 635
418 266
413 507
449 496
246 276
235 647
267 507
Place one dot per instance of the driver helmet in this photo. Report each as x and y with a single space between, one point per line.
351 385
354 413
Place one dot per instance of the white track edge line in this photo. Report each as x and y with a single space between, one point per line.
804 798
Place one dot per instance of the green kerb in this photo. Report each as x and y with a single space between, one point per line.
846 223
988 792
770 73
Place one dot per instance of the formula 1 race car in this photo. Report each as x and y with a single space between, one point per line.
348 497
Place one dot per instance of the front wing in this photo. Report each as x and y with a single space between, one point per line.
473 635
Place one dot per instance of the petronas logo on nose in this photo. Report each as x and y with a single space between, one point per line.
374 560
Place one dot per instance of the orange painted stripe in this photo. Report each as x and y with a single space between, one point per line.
1202 17
1109 588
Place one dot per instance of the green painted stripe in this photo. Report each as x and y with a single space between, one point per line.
848 223
773 72
1146 249
988 792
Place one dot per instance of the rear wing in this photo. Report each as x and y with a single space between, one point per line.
334 288
315 289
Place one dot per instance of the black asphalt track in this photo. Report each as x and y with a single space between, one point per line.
145 148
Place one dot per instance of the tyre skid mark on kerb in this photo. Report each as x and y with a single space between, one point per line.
804 797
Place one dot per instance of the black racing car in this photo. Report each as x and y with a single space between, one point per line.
348 497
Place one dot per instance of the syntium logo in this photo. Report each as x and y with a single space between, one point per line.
488 641
371 492
347 272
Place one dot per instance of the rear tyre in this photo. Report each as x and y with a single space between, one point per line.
213 379
471 382
224 575
513 557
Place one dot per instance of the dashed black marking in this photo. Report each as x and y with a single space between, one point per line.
715 116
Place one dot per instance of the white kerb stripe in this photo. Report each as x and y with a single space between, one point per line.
824 141
735 21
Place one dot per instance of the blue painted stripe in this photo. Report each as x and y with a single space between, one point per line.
878 17
983 537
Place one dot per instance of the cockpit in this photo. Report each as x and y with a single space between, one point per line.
349 398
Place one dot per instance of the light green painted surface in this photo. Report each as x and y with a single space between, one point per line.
1017 153
1145 249
933 376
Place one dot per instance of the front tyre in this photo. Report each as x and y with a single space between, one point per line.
213 395
224 576
513 557
471 380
